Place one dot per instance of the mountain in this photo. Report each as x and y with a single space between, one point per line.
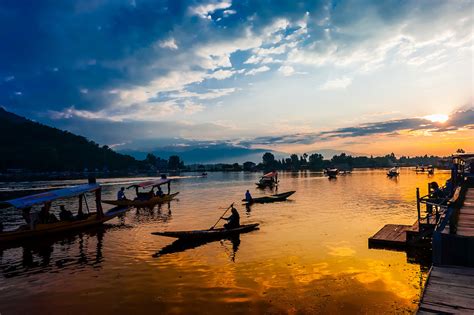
32 146
207 153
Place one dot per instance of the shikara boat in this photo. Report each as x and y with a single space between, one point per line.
146 199
268 180
272 198
393 172
332 172
209 233
37 229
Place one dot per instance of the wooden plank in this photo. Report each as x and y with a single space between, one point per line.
448 290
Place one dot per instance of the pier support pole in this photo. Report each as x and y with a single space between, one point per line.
418 208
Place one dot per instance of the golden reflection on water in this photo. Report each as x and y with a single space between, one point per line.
309 256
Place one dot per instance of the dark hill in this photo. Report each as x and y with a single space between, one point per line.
32 146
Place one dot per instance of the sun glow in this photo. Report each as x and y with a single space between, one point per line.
441 118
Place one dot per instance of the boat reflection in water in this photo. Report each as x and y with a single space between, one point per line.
181 245
53 253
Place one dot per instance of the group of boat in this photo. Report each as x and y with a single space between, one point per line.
44 223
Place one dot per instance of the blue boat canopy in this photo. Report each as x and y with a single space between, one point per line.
49 196
151 183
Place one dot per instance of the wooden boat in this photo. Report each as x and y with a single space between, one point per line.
332 172
272 198
43 229
268 180
146 199
142 203
208 234
393 172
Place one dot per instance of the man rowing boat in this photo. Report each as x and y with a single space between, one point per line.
233 221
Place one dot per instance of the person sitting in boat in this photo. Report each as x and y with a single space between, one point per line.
233 221
159 192
31 219
121 194
248 196
45 216
65 215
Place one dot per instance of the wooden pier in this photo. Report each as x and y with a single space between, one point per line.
448 290
465 226
392 236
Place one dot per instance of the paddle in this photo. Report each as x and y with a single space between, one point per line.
222 216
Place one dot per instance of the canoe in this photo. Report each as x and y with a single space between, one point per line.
61 226
141 203
272 198
203 234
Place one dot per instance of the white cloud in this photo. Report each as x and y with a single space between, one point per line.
340 83
191 108
229 12
205 9
221 74
286 70
257 70
169 43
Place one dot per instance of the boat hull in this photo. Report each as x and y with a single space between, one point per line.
43 230
208 234
272 198
141 203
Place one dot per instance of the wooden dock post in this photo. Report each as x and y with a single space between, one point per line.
418 208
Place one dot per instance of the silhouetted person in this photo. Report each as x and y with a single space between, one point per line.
248 196
159 192
65 215
121 194
233 221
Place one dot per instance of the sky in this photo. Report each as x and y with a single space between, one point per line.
372 77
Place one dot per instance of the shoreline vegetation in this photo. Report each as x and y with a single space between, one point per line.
33 151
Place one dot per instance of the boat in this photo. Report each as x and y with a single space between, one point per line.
209 233
430 169
82 221
268 180
331 172
393 172
272 198
145 199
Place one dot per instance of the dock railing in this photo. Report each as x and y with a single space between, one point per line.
436 202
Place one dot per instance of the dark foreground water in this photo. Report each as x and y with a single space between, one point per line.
309 256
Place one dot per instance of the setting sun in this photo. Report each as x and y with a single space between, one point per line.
441 118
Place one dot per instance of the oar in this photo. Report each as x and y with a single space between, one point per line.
222 216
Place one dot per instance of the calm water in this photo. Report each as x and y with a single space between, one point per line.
309 256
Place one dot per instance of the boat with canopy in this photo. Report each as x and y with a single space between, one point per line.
146 198
45 223
268 180
393 172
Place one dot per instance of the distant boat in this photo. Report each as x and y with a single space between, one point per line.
268 180
82 221
146 199
393 172
331 172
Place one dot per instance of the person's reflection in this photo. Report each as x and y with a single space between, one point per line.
181 245
248 209
235 240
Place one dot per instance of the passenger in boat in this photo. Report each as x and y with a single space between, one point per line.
65 215
45 216
31 219
159 192
121 194
233 221
248 196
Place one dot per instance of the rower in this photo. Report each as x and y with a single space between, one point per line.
121 194
248 196
233 221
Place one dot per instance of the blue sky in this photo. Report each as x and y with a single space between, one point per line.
255 73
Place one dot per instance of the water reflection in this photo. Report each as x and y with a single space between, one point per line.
53 253
181 245
158 213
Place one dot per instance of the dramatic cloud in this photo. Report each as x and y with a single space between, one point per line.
457 121
121 61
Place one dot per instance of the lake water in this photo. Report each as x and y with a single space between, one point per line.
310 254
